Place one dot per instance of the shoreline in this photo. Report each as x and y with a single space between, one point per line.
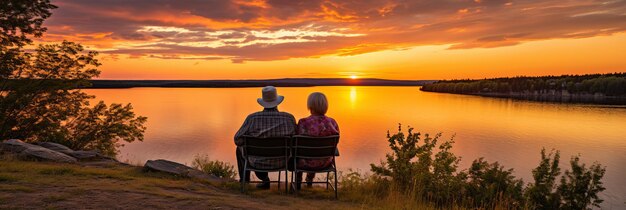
288 82
554 97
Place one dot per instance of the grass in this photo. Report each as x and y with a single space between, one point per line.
56 171
62 186
214 167
56 198
16 188
6 178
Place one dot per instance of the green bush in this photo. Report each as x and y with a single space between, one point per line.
215 167
579 187
415 168
541 194
489 185
426 173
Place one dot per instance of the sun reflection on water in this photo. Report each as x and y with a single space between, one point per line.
352 96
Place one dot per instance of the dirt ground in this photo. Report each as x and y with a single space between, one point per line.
39 185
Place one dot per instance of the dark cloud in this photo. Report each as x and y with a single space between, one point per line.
281 29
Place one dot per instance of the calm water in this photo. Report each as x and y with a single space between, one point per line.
185 122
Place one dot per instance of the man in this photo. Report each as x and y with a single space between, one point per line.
267 123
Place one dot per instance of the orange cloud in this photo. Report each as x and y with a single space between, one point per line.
262 30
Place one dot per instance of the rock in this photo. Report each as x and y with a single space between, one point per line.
50 151
14 146
79 154
179 169
47 154
87 155
56 147
27 150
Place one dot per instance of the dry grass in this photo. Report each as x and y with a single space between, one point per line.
54 185
62 186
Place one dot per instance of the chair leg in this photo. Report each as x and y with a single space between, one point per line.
295 186
286 182
327 181
243 182
279 173
292 179
336 187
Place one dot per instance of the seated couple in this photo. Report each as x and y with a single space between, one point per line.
272 123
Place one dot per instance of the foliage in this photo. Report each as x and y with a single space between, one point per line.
579 187
214 167
608 84
541 193
427 171
489 185
374 190
413 169
38 96
19 18
102 127
363 186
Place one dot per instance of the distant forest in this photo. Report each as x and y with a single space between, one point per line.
613 84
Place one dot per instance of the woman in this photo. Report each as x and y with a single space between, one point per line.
318 124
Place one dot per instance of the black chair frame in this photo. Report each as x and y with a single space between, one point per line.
318 147
274 147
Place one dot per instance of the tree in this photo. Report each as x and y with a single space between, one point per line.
39 99
541 194
579 187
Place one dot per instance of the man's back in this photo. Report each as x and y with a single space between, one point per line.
267 123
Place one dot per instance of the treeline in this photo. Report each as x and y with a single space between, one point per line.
613 84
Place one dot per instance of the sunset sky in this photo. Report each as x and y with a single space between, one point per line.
393 39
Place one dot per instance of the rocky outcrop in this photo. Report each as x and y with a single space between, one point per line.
49 151
46 154
30 151
179 170
56 147
80 154
13 146
87 155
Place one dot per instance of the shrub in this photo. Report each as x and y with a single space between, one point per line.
489 185
579 187
426 173
413 170
541 193
215 167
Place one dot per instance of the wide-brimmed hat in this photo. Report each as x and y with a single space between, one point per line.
270 98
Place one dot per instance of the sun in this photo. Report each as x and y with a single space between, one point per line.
354 77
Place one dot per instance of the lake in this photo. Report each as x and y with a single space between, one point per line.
184 122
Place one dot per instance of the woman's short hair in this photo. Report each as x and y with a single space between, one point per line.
317 103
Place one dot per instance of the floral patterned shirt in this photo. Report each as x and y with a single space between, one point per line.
316 125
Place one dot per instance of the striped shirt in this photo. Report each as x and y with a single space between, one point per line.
267 123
